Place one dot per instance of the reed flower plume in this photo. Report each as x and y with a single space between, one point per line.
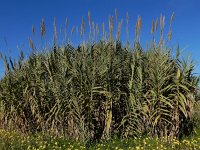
42 28
33 29
138 27
55 30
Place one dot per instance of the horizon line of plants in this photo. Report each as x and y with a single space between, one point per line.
102 88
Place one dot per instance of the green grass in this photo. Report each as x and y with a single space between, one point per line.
98 90
14 140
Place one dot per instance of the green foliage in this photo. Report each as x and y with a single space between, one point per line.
13 140
98 90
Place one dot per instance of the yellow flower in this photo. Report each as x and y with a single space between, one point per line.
176 142
137 147
144 142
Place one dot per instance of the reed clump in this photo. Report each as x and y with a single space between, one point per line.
100 88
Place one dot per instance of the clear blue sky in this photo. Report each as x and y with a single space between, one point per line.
18 16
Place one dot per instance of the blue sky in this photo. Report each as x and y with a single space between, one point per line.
18 16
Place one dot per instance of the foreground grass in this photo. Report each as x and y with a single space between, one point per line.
14 140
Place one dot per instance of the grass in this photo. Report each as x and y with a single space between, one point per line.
14 140
99 90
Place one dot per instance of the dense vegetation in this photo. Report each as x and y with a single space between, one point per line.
101 88
13 140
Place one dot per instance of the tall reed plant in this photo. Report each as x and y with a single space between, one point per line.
102 87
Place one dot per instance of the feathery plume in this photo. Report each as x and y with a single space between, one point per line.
119 29
82 27
127 18
42 27
162 22
55 29
97 29
65 29
66 22
72 31
93 28
103 29
138 26
172 19
169 35
31 44
156 24
33 29
153 27
139 22
111 26
116 15
89 18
